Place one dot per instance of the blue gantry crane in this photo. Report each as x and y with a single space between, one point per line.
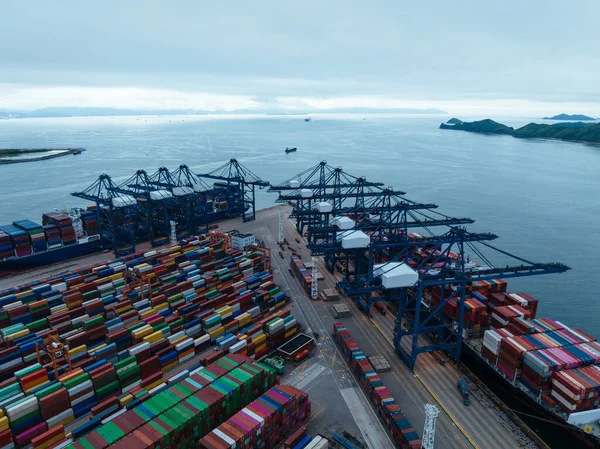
155 207
116 214
240 184
323 183
444 273
372 234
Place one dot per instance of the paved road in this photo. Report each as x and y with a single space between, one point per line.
344 393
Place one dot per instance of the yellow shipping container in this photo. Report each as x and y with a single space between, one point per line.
161 306
147 313
224 310
258 340
155 336
71 375
126 400
25 293
153 384
218 331
3 424
170 366
116 276
259 348
17 335
142 331
289 333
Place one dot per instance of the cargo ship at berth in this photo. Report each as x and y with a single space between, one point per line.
61 236
540 366
551 370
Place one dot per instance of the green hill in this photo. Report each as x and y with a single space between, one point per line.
582 132
576 132
486 126
569 117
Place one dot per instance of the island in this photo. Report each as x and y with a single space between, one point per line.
578 117
486 126
17 155
573 132
454 121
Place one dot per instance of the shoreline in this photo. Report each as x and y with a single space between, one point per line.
10 152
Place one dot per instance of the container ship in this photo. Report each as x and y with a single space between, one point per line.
26 244
553 368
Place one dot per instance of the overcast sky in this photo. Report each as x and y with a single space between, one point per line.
510 56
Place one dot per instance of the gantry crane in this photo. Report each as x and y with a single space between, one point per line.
241 184
448 268
116 214
57 353
155 207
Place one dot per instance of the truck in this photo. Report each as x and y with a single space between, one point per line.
464 391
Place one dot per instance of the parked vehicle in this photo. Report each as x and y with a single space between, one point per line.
464 391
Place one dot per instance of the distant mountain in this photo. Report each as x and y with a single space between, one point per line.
575 132
107 112
454 121
569 117
486 126
377 111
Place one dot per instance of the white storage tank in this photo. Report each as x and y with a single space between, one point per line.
396 274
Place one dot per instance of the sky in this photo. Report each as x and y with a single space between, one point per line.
510 57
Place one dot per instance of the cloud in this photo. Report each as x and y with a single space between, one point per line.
27 98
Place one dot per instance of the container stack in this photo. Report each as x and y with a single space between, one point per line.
540 366
297 267
64 224
263 423
6 246
35 232
89 222
19 238
389 411
32 377
52 236
576 390
179 412
513 348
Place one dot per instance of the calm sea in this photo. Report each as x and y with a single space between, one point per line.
541 197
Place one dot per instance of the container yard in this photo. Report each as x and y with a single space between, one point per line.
106 337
